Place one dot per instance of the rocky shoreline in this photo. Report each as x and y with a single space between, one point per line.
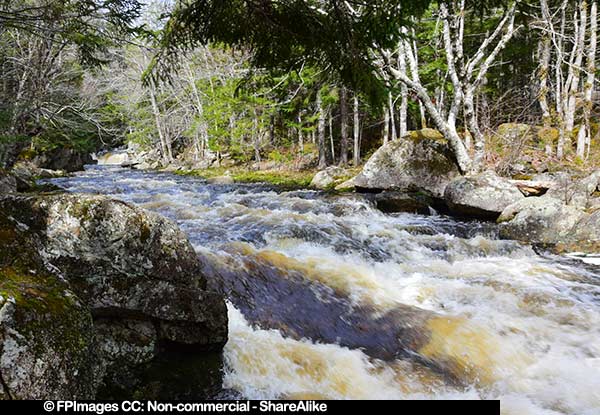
419 174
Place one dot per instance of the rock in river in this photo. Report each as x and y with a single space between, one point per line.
420 161
484 195
119 284
539 220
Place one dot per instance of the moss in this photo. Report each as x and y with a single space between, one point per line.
286 179
426 133
43 306
522 177
145 232
27 154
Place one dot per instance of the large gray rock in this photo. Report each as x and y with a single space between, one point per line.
585 235
66 159
46 333
394 201
132 271
484 195
539 220
421 161
26 175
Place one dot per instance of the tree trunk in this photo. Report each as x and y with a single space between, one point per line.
256 138
393 133
344 126
462 156
356 152
386 125
572 84
331 137
272 130
543 72
167 156
321 133
588 89
300 135
403 110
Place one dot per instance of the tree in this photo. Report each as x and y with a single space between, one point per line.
46 51
354 42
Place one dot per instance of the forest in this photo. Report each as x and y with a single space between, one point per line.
93 76
304 200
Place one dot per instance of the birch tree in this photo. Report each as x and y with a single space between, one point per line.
466 75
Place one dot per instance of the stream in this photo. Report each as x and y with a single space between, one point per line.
330 298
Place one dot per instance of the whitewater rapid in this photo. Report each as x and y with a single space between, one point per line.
491 319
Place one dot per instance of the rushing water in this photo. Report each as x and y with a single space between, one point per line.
331 298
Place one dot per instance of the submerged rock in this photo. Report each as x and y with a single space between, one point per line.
220 180
421 161
484 195
131 271
391 201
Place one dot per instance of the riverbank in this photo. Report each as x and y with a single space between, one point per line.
285 178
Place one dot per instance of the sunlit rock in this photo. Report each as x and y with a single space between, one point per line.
420 161
484 195
329 178
539 220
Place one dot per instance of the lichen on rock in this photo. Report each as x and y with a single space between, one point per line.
89 285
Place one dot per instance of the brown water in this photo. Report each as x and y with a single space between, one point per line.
328 297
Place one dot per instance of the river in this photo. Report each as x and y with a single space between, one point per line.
331 298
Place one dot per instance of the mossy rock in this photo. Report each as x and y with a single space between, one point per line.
46 333
423 164
425 134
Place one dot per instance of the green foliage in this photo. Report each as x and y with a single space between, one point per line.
286 35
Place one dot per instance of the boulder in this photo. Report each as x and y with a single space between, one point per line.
484 195
46 333
141 166
131 272
220 180
26 174
539 220
9 152
329 178
66 159
513 132
348 185
420 161
585 235
576 192
394 201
